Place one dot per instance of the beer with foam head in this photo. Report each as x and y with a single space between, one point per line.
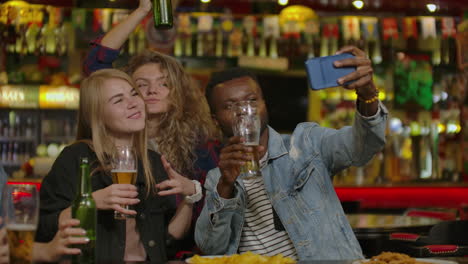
123 176
20 242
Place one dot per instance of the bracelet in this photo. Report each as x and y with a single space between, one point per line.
371 100
197 195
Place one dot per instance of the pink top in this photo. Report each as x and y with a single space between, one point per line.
134 250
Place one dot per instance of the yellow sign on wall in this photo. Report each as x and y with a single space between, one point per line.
58 97
19 96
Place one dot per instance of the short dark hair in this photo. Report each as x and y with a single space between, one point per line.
224 76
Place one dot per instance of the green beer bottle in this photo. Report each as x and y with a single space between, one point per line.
162 14
84 209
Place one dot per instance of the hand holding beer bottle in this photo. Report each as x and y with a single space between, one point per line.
124 171
84 209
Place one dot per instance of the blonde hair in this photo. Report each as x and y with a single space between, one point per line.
91 127
187 122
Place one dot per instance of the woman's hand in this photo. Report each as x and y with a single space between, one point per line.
176 184
62 244
4 253
145 6
116 195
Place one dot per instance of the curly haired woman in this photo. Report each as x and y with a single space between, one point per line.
179 121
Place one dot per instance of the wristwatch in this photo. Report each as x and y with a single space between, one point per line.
197 195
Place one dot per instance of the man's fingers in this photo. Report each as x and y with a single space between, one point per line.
360 83
233 148
352 62
238 155
231 163
356 75
351 49
235 140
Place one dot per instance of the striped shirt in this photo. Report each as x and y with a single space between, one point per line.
258 233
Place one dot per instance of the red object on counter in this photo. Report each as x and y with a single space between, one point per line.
404 197
38 184
441 249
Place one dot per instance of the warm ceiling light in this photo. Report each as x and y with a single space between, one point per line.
283 2
205 1
431 7
358 4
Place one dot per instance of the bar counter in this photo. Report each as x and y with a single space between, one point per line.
459 260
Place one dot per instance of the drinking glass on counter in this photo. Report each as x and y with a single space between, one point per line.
247 125
20 203
124 171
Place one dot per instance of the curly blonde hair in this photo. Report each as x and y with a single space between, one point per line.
187 122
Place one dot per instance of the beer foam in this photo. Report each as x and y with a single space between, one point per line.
21 227
120 171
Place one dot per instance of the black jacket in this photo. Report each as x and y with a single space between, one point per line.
59 188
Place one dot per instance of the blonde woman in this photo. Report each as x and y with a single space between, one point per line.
180 126
112 113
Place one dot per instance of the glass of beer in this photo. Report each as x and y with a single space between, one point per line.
20 204
124 171
247 124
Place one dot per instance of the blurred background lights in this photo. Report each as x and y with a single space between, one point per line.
358 4
431 7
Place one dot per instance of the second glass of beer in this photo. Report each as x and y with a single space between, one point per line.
124 171
247 124
20 203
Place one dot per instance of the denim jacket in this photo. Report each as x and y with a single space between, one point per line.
298 182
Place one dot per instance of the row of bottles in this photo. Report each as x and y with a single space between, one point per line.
58 129
425 147
240 43
19 125
14 152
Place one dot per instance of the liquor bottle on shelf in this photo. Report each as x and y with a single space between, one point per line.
199 45
178 45
273 48
210 44
250 45
4 152
262 51
219 42
425 154
84 209
29 127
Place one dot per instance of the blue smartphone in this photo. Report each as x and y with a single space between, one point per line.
322 74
